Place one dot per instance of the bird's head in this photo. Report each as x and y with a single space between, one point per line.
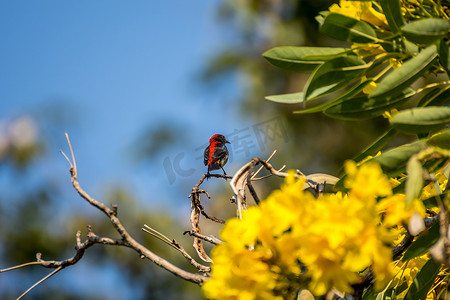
218 138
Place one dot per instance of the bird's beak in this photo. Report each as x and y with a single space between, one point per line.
227 142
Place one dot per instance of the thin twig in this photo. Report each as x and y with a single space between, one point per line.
62 152
209 238
126 239
260 168
250 186
212 218
20 266
269 175
40 281
71 152
152 231
174 244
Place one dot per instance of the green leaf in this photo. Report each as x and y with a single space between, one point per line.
334 74
293 98
301 59
423 281
441 139
400 78
351 93
432 202
348 29
377 145
426 31
444 59
421 245
393 13
388 294
396 158
369 293
414 181
364 107
421 119
440 99
431 94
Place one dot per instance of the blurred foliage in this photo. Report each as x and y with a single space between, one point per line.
34 219
316 143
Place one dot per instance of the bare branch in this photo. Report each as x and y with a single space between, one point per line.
212 218
68 160
243 178
196 209
209 238
20 266
126 239
250 186
174 244
260 168
71 152
269 175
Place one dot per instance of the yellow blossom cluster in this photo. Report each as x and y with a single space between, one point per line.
361 10
293 241
397 212
407 271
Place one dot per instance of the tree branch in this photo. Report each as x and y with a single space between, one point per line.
127 239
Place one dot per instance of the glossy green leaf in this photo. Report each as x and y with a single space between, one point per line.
348 29
293 98
421 119
300 59
441 139
334 74
364 107
414 181
349 94
426 31
423 281
421 245
393 13
444 58
396 158
399 79
377 145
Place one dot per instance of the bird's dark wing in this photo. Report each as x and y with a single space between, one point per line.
219 153
206 156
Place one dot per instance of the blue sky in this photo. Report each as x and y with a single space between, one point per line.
111 69
114 69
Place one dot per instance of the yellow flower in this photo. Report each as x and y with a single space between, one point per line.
397 212
430 189
389 114
368 181
361 10
395 63
407 271
369 157
296 241
370 87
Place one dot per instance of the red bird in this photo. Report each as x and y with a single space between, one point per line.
216 154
